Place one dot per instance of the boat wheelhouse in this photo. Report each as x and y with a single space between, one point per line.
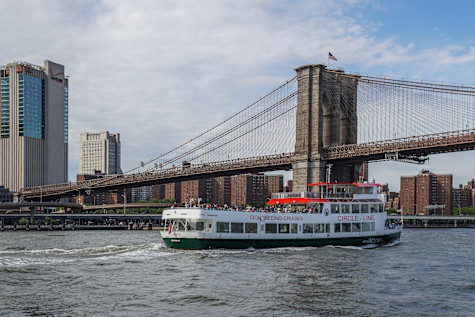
330 214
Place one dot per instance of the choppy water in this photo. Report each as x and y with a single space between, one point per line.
130 273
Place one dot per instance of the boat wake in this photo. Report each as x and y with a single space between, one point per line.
9 258
392 243
367 246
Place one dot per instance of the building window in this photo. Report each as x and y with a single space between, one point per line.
5 108
66 113
30 107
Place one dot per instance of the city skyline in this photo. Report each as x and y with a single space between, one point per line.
160 73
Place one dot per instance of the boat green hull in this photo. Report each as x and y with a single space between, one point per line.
196 244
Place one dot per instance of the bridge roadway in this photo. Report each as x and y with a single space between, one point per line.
410 149
74 208
177 174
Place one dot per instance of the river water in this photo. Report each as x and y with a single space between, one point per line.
132 273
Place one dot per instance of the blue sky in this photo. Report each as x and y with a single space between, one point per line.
140 67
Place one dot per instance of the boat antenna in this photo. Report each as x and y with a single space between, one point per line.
329 172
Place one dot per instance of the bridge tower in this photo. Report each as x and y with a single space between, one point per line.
326 116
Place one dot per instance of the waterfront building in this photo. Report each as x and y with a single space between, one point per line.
221 191
237 191
173 191
407 195
288 188
33 125
461 197
158 191
426 193
247 190
392 200
99 153
196 191
143 193
273 184
364 172
5 195
471 185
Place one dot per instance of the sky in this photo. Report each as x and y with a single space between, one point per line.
160 72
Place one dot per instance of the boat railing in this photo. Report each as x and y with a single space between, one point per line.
314 195
296 195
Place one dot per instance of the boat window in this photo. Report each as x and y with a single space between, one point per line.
355 227
335 208
237 227
372 226
319 228
222 226
364 208
284 228
345 208
308 228
355 208
366 226
372 209
294 228
381 207
319 209
346 227
251 227
337 227
367 190
200 226
181 224
327 228
271 228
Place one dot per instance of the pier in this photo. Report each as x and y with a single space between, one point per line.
436 221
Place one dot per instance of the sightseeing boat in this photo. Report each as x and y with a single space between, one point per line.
350 214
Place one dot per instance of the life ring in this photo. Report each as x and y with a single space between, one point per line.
326 211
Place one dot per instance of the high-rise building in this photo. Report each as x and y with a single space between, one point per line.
196 191
142 193
461 197
407 195
33 125
5 195
158 191
173 191
247 190
273 184
364 172
288 186
426 193
471 185
221 192
99 153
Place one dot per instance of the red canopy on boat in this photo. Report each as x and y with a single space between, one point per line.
298 200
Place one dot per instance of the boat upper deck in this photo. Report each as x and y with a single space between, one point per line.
332 192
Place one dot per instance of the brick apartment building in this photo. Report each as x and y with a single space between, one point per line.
238 191
248 190
221 191
461 197
426 193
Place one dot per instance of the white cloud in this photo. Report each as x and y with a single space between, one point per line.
160 72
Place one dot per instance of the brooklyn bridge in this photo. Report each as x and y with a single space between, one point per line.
322 124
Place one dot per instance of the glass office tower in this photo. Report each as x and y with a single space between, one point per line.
33 125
